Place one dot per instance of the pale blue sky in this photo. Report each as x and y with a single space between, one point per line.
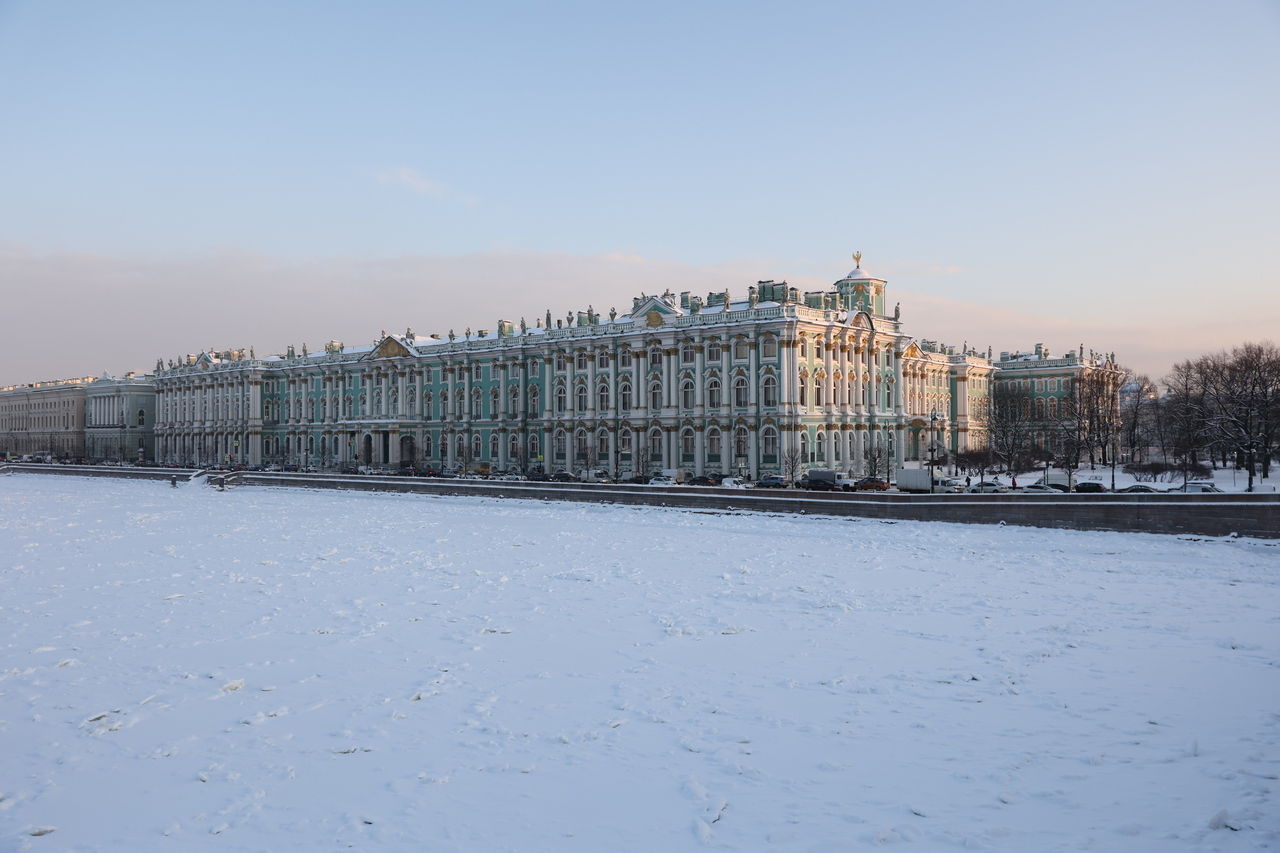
1100 162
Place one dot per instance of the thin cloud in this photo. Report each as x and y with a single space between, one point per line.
416 182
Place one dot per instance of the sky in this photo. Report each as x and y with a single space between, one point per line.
179 176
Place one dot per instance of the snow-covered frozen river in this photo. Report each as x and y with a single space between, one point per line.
186 669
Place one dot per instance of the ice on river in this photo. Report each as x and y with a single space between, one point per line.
262 669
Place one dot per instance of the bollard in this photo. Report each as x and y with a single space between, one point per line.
173 481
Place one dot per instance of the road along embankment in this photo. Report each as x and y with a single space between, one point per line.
1229 514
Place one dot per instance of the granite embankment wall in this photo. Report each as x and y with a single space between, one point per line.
1202 515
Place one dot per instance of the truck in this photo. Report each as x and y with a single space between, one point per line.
916 480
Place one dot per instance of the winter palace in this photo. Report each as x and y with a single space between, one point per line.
717 384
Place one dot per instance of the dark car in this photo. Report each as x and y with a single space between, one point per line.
1139 489
704 481
640 480
871 484
821 480
563 477
771 481
1090 487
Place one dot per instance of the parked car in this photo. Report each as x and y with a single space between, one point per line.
704 481
1038 489
662 480
948 485
1138 489
988 488
771 481
872 484
1091 487
1196 488
821 480
734 483
563 477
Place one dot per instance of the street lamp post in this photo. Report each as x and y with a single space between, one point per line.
933 446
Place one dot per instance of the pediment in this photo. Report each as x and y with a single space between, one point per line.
913 351
654 310
391 347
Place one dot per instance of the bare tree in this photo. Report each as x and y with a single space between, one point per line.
792 461
1010 424
1138 416
1241 394
1183 414
876 455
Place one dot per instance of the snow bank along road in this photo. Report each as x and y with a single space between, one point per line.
1200 515
186 669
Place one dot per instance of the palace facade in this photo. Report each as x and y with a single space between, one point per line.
43 418
773 381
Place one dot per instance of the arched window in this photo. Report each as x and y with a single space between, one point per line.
655 396
559 444
770 389
475 447
686 394
804 447
1040 407
624 397
655 357
1052 407
624 357
533 401
602 359
602 445
686 445
535 447
713 350
513 448
655 444
426 446
561 398
686 354
819 383
493 403
624 444
1026 408
493 446
581 398
560 363
769 347
142 417
461 446
713 393
580 446
804 347
741 351
740 442
769 444
476 410
820 446
804 390
713 445
740 392
513 400
581 361
602 396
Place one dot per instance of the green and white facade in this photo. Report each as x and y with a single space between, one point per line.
754 384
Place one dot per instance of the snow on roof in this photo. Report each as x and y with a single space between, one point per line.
859 274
